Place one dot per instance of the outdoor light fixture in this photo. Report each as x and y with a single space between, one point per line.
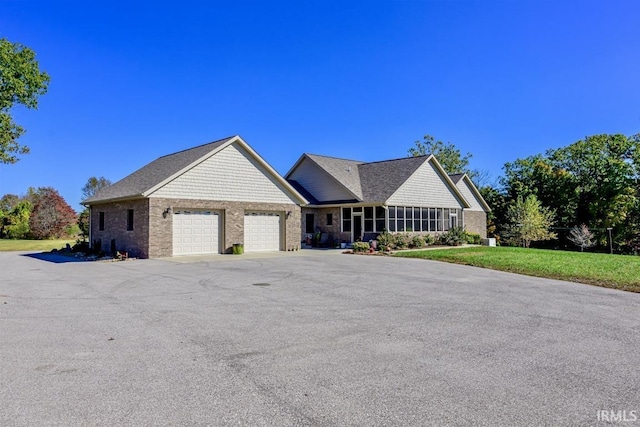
166 212
288 214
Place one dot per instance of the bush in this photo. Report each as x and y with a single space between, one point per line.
386 240
417 242
454 237
473 238
361 247
402 240
428 239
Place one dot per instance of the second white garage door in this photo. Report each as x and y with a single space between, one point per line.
261 232
195 232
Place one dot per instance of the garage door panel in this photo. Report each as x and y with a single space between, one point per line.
195 232
262 232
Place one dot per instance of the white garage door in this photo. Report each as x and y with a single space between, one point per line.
261 232
195 232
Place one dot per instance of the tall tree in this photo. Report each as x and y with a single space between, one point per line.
94 185
528 221
50 215
21 82
447 154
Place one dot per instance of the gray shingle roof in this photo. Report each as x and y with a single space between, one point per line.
344 170
154 173
381 179
456 177
371 182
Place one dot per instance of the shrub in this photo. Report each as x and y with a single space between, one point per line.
417 242
386 240
428 239
402 240
454 237
361 247
473 238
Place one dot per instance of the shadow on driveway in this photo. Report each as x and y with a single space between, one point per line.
54 258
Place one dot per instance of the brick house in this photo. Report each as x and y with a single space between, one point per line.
352 200
205 199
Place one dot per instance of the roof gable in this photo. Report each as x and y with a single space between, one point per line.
153 176
471 193
428 185
327 179
381 179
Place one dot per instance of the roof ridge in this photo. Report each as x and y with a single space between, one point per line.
334 157
395 160
199 146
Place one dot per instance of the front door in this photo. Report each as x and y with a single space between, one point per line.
357 228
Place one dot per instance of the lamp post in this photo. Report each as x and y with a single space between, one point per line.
610 240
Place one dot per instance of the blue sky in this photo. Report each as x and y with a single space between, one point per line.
354 79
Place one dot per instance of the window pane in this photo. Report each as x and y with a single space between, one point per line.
379 212
400 219
400 212
358 209
392 211
392 225
416 225
379 225
346 219
329 219
368 226
368 212
409 213
438 219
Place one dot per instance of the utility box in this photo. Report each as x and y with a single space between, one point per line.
489 242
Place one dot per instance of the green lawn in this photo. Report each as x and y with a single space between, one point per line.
33 245
609 271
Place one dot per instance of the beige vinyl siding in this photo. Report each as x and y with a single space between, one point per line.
425 187
232 175
469 196
317 182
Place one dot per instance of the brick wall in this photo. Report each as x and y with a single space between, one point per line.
475 222
135 241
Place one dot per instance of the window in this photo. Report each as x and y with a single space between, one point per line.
368 219
129 219
400 218
346 219
310 223
453 218
425 219
101 221
392 218
329 219
380 214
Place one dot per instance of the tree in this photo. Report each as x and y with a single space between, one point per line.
94 185
528 221
50 215
21 82
15 220
447 154
581 237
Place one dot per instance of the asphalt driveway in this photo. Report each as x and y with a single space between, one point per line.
312 338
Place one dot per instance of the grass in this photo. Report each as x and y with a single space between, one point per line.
606 270
33 245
